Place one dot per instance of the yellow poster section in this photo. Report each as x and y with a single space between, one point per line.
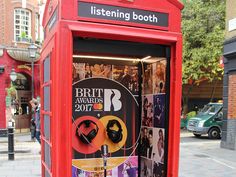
96 164
113 147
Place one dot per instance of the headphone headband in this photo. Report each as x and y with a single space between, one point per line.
113 122
87 122
91 135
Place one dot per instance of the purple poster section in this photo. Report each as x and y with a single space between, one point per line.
127 169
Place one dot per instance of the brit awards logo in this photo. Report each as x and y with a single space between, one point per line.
97 99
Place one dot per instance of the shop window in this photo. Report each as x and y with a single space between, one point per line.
36 26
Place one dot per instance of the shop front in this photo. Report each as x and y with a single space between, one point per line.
111 79
18 92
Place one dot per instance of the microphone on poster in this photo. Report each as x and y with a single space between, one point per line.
104 150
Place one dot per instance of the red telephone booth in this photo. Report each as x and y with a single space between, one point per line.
111 88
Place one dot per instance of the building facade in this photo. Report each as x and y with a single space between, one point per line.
229 97
201 94
19 28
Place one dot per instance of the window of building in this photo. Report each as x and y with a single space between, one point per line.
22 24
36 26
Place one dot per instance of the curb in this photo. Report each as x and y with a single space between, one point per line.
16 151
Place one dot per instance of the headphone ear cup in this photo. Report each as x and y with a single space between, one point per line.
84 139
114 136
92 134
120 137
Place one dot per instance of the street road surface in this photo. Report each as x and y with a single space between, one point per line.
199 157
202 157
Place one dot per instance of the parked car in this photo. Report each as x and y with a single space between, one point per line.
208 121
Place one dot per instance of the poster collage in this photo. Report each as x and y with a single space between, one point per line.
125 74
153 120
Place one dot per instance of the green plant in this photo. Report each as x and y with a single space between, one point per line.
190 114
203 26
11 91
23 34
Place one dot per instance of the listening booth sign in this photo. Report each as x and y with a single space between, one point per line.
104 111
115 13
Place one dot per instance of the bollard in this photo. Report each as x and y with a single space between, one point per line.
11 152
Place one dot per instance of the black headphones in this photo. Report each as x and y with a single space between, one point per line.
86 139
114 136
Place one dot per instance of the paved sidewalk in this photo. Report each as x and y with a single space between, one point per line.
198 158
204 158
27 158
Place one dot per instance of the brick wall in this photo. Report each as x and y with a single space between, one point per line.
232 97
8 19
2 21
229 97
230 14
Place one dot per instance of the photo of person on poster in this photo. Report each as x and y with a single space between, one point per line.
160 145
127 76
77 172
147 80
158 169
159 110
159 76
78 71
130 169
144 142
150 147
88 71
101 70
146 167
134 80
158 152
147 111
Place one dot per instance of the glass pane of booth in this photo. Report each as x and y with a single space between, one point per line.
47 174
119 108
47 155
46 70
47 127
46 91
